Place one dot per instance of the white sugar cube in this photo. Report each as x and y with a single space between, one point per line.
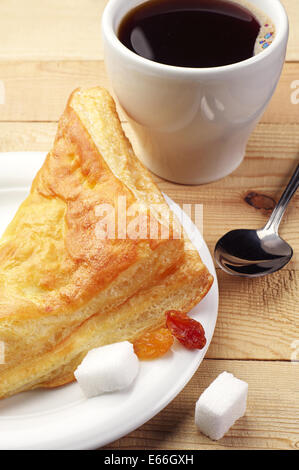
107 369
220 405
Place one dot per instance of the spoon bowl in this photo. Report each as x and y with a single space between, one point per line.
254 253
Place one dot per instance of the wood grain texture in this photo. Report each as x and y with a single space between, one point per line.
38 90
51 29
271 420
67 30
292 10
258 319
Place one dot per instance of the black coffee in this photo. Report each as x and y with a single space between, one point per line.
191 33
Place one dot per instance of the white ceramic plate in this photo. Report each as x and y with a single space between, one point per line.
62 418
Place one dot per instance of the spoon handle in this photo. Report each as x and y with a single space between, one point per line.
276 216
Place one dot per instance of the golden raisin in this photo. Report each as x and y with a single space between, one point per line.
153 344
188 331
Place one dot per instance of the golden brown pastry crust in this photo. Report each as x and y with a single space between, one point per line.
57 278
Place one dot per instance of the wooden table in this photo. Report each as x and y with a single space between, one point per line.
50 47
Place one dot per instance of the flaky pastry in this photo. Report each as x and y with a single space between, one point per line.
63 288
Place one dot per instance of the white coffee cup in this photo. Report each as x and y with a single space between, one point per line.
192 124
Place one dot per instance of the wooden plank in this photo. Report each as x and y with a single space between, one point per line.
55 29
24 136
292 10
257 318
38 91
271 420
51 29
